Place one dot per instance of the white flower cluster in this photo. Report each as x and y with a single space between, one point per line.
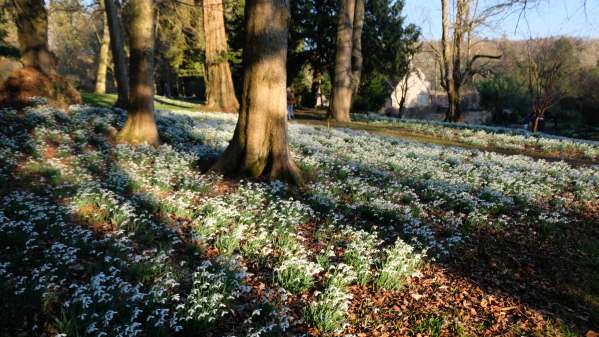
108 238
493 136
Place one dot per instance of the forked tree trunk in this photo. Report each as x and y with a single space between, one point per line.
259 145
357 58
342 88
220 92
103 58
118 53
140 126
39 75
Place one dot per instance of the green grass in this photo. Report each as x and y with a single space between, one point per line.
160 102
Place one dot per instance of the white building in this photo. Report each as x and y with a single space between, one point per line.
418 93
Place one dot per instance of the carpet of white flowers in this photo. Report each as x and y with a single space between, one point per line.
495 137
98 239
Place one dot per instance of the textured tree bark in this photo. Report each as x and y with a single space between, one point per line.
31 20
103 58
118 53
342 88
140 126
220 92
39 76
448 72
259 145
357 58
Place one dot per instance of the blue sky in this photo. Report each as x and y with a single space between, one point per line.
548 18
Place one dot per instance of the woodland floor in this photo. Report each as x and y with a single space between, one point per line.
517 272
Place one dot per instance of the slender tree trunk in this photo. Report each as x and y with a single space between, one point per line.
357 58
342 88
447 59
259 145
118 53
404 94
220 92
140 126
103 58
314 89
39 75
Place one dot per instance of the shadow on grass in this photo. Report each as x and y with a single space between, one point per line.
26 309
554 273
553 269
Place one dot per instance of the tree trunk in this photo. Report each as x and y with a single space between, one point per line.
259 145
31 20
140 126
453 109
39 75
447 59
118 53
404 94
314 89
220 92
357 59
342 88
103 58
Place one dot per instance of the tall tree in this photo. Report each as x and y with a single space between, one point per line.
458 59
39 75
141 126
118 52
357 58
342 89
259 144
391 45
103 56
220 92
547 66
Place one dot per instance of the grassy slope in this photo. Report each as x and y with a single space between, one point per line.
162 103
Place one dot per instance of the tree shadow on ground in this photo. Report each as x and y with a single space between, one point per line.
553 269
52 189
554 273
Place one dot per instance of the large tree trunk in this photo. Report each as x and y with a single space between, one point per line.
39 76
342 88
357 58
103 58
31 20
220 92
140 126
118 53
259 145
